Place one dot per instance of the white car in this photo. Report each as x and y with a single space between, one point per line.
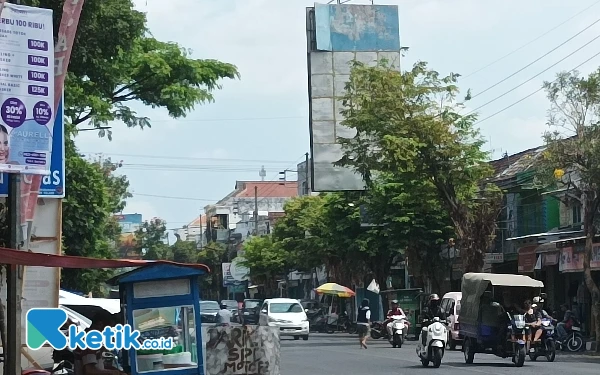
287 314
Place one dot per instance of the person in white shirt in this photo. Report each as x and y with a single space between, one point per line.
224 316
363 323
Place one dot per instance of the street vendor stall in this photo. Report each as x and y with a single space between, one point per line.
163 301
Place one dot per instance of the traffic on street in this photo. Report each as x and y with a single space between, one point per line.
340 353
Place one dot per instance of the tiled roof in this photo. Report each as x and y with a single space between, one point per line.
511 165
197 220
267 189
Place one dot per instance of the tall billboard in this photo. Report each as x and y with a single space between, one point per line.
338 34
129 222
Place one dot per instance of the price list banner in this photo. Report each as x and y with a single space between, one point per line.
26 89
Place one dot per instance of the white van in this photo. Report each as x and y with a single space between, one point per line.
287 314
450 308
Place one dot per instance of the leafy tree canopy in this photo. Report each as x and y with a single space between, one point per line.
409 122
571 161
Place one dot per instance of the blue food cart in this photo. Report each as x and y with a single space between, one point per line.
162 301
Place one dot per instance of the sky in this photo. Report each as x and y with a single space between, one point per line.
177 167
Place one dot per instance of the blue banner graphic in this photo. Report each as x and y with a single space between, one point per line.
53 185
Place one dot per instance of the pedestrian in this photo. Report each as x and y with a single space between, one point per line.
224 316
363 323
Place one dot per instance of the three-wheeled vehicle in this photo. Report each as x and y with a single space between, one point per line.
490 320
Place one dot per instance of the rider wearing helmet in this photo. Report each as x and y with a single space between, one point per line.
433 306
395 310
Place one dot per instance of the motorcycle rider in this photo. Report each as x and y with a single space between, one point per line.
224 316
395 310
433 307
566 324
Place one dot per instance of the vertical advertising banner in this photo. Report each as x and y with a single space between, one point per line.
53 184
26 89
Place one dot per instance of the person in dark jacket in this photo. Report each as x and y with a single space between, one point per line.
363 323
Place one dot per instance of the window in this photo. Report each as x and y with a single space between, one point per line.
175 322
206 306
576 208
279 308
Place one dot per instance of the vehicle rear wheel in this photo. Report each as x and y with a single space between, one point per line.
550 350
305 338
468 351
424 362
437 356
450 343
296 337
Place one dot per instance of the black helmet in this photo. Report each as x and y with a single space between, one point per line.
224 306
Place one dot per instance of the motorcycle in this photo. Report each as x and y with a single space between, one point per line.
396 330
547 345
377 331
432 341
63 368
574 341
517 334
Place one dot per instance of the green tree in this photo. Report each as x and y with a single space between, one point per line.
572 158
267 261
151 240
93 196
212 255
408 122
184 252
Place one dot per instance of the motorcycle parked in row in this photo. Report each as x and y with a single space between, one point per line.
547 345
396 330
432 341
574 341
378 331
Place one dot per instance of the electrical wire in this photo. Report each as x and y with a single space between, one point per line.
530 42
533 93
536 60
233 119
186 158
171 197
535 76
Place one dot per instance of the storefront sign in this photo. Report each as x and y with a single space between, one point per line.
494 258
572 261
527 259
550 259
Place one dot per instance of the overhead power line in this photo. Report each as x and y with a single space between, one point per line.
531 41
233 119
109 154
536 60
535 76
171 197
533 93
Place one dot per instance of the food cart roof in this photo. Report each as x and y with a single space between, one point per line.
29 258
503 279
156 271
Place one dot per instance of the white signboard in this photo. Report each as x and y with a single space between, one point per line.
494 258
238 271
26 89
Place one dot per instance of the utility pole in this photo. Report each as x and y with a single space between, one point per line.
306 188
256 210
14 280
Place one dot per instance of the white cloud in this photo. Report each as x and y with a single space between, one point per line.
147 209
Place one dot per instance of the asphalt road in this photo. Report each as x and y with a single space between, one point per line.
340 354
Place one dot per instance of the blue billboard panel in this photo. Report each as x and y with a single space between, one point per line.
129 222
53 185
357 28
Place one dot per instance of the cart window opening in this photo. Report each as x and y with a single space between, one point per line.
286 308
175 322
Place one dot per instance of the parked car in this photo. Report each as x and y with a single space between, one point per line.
287 314
208 311
232 305
250 311
450 309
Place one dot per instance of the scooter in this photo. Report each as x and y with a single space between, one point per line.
547 346
395 330
574 341
432 341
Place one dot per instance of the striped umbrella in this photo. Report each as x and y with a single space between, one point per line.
334 289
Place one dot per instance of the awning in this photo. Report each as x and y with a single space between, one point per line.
29 258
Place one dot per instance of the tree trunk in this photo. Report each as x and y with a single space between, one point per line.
589 229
